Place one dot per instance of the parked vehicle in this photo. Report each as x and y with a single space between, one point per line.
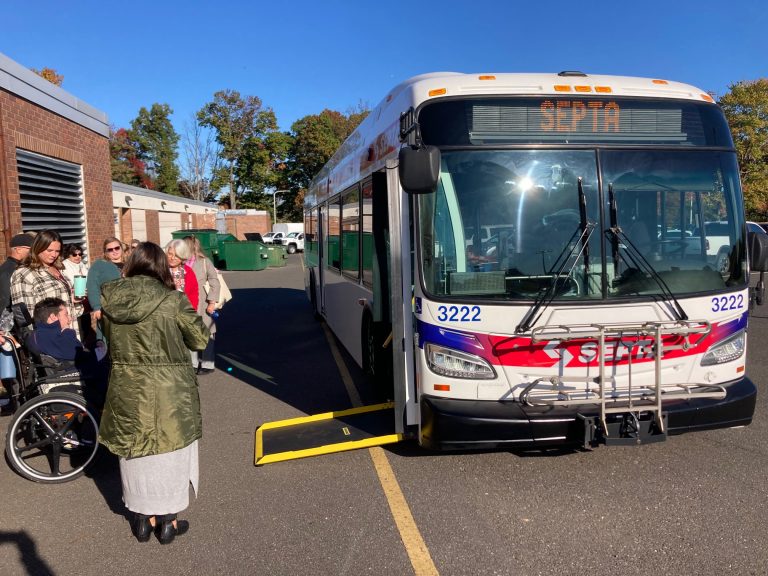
272 237
293 242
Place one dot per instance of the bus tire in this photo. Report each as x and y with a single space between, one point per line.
723 261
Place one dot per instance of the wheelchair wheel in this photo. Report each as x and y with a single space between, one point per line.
53 438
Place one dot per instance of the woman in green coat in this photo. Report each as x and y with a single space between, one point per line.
151 418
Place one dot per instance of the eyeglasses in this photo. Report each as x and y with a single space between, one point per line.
77 254
114 249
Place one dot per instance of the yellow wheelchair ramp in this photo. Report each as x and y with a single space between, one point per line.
326 433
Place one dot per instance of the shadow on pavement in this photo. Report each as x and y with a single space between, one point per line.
27 547
269 339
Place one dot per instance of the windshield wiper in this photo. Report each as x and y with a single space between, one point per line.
641 263
580 238
583 224
613 212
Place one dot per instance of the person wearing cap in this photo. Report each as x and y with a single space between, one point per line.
19 248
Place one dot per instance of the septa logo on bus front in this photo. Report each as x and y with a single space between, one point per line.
579 353
517 351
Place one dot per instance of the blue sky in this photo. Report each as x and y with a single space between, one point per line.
301 57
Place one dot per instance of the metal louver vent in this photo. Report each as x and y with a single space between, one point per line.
51 194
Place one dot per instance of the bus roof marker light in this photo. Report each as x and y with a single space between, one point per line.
486 77
583 88
562 88
707 97
603 89
437 92
659 81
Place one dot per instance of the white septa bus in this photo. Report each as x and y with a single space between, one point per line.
540 259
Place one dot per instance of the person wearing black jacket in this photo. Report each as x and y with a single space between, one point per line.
19 248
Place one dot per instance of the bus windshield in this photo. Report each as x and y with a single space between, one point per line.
584 224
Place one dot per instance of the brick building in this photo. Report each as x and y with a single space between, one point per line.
54 161
148 215
55 173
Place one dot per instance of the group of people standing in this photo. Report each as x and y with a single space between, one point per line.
154 310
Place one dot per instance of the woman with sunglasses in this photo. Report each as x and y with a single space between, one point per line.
103 270
73 262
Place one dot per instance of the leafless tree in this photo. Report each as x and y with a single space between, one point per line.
199 155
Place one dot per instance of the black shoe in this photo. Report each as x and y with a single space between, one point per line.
141 527
205 371
167 532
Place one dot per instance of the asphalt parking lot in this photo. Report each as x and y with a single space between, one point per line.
695 504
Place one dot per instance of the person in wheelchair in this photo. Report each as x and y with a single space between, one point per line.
54 337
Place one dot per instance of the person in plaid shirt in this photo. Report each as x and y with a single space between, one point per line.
40 276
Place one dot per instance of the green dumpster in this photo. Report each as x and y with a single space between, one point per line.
278 256
207 237
243 256
220 239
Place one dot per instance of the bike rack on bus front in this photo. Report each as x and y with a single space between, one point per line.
631 400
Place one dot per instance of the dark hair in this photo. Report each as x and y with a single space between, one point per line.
41 242
46 307
148 259
70 249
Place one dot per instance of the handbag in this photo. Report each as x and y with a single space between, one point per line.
224 293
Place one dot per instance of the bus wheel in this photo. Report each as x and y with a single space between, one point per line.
723 261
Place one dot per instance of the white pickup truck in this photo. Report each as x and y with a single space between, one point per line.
293 241
272 237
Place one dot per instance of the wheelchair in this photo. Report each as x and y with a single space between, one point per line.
53 435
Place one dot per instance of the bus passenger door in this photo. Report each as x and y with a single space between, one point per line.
403 364
321 257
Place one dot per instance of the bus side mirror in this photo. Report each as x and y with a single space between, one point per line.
419 169
758 251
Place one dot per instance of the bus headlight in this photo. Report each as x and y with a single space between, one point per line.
728 350
450 362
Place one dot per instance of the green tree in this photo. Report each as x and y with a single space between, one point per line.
316 139
125 163
746 107
263 166
157 143
241 124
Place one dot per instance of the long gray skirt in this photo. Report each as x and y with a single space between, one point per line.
159 484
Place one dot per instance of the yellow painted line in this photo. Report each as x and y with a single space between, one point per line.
409 533
414 544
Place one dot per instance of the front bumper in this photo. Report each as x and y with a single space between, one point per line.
448 424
